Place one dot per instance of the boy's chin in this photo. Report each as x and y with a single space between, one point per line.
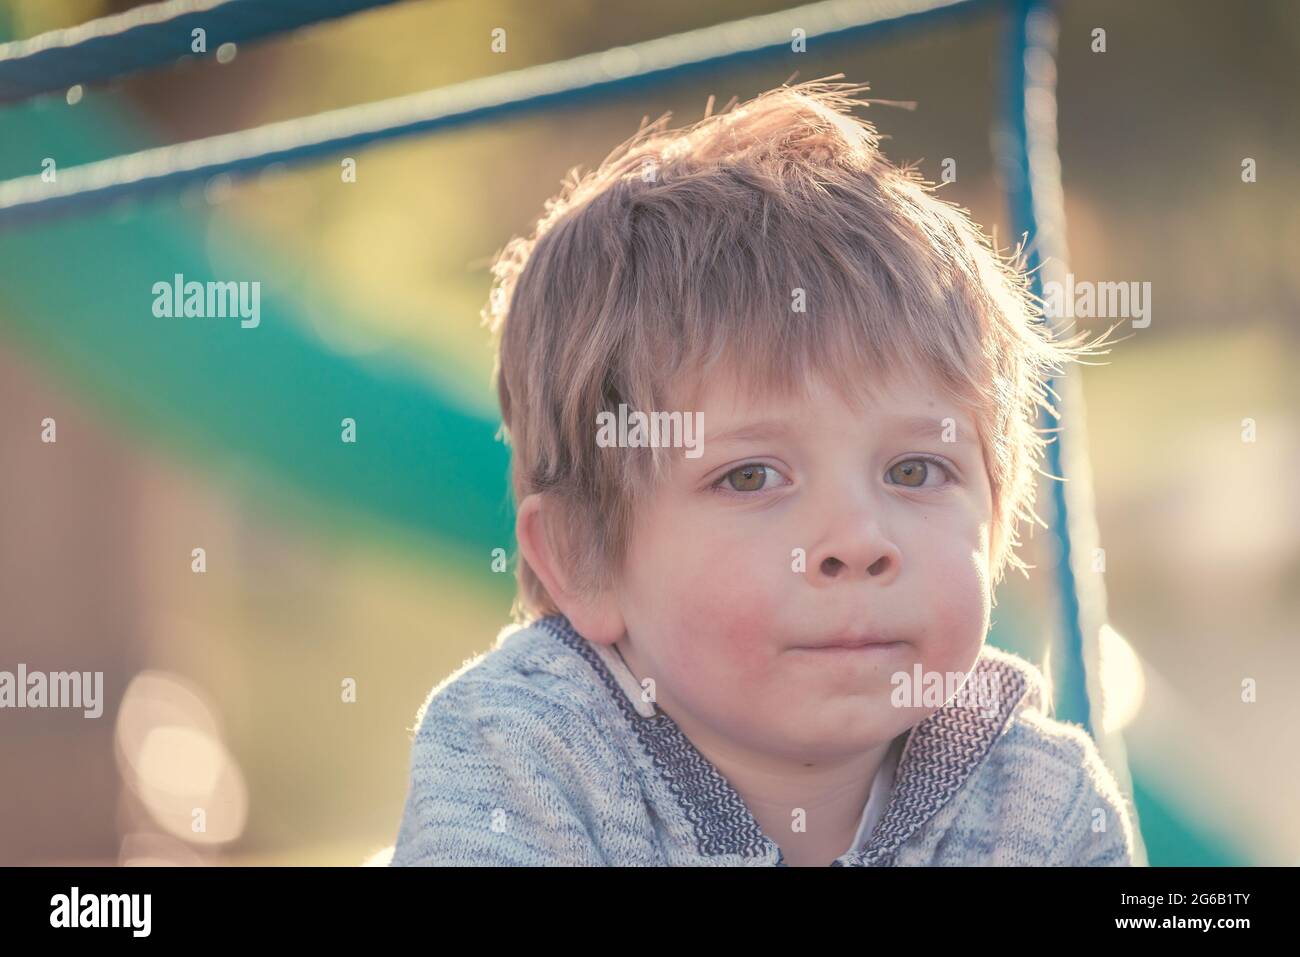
824 745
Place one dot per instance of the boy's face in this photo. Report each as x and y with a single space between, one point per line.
894 526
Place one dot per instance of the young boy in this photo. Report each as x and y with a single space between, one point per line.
739 601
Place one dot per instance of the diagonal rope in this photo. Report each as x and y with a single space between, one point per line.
305 138
152 35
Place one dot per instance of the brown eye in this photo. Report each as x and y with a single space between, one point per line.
911 473
747 478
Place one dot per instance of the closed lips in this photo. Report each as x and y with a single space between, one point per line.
863 641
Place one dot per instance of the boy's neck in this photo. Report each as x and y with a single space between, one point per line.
832 797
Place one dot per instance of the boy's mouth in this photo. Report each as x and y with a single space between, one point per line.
861 641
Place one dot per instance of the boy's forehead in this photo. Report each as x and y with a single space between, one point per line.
902 392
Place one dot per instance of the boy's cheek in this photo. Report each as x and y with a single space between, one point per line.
702 609
960 619
725 627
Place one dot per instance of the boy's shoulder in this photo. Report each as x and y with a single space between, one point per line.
1044 789
508 763
525 670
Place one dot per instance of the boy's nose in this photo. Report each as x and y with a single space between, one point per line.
858 551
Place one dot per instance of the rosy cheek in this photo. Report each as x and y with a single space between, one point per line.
960 617
748 644
727 632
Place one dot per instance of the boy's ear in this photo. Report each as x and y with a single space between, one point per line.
595 616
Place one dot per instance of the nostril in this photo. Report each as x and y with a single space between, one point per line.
831 567
878 567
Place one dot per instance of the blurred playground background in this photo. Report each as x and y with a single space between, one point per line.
328 561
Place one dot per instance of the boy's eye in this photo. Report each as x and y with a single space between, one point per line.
910 473
913 472
750 477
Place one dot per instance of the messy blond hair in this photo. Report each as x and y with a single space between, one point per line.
684 248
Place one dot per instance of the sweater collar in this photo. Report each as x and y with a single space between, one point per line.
939 755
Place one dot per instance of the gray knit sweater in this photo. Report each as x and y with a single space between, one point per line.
541 751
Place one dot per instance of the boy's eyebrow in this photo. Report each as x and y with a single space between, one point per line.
920 426
925 426
752 431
